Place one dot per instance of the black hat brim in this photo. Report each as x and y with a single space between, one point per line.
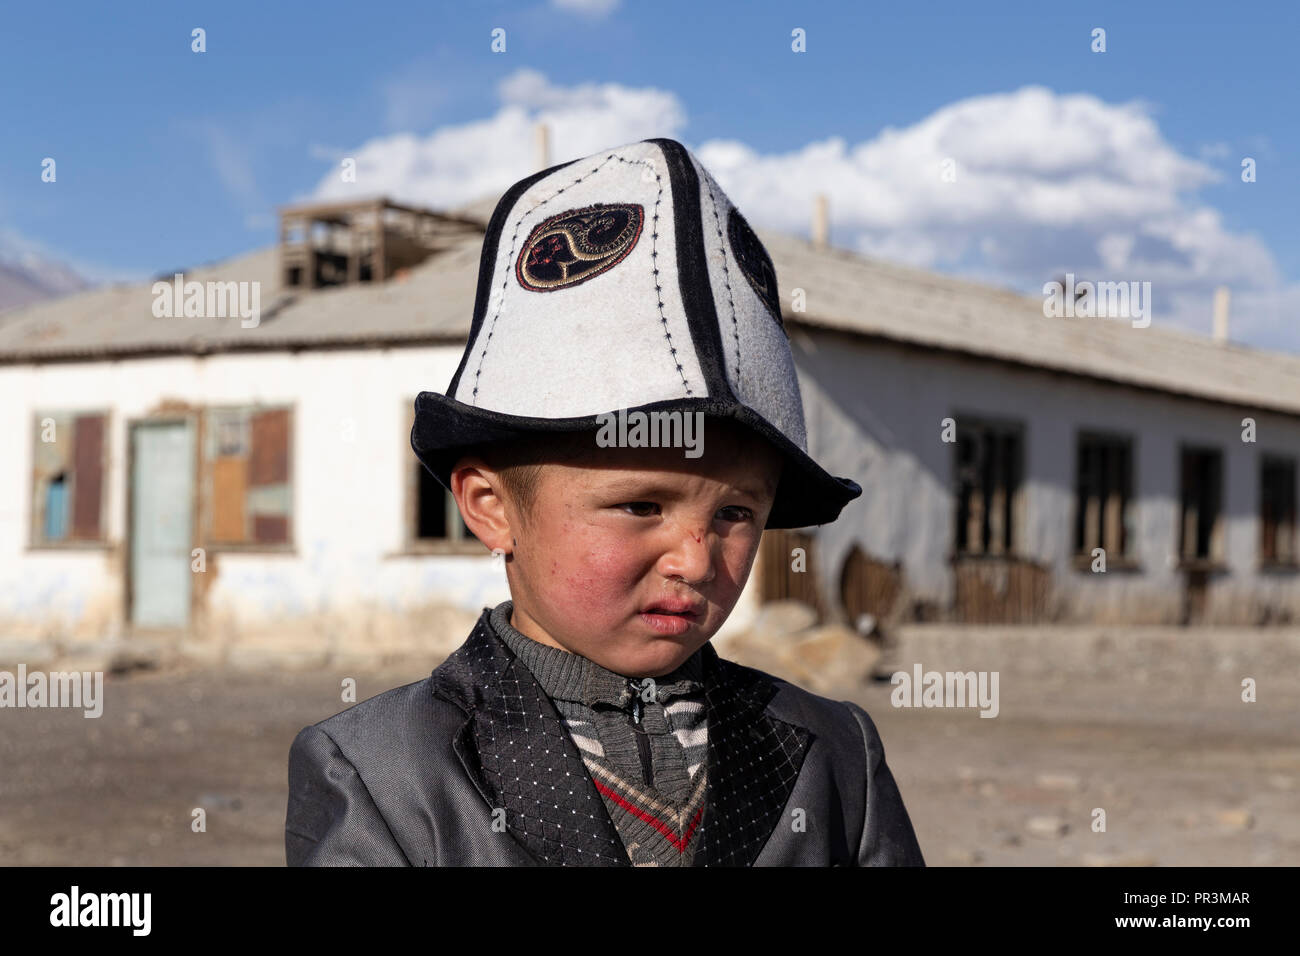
806 495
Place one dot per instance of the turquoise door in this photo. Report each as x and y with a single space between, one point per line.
162 519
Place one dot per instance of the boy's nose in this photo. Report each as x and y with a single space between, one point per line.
692 557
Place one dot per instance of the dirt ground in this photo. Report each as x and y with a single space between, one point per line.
1187 775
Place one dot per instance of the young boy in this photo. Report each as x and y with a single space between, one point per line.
624 423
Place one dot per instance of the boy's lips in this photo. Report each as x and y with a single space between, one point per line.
674 618
692 609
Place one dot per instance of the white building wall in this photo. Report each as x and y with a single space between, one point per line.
875 411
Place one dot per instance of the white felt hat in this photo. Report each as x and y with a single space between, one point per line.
626 281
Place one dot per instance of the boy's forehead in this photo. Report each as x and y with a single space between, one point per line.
737 457
760 483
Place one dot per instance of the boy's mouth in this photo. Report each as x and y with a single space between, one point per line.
687 609
673 618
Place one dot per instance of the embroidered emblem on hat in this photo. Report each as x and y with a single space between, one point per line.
754 262
574 246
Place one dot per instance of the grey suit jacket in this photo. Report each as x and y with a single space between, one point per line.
473 766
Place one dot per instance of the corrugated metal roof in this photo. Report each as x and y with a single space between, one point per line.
860 296
435 302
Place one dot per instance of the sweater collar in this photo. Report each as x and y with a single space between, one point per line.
569 676
754 758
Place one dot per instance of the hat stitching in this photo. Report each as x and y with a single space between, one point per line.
735 325
654 262
514 241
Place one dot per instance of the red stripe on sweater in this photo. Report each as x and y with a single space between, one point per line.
667 831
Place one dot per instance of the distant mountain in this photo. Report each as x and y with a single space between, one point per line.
27 275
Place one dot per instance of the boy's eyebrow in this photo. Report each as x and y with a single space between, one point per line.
756 489
648 485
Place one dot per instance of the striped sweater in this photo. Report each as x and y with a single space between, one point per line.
645 743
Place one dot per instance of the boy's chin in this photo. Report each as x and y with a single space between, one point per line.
657 656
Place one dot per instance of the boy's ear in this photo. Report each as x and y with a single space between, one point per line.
476 488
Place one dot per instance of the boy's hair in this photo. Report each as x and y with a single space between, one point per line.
519 462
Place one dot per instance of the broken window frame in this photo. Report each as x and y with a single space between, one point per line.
1103 511
1278 544
208 439
1192 555
1000 514
74 463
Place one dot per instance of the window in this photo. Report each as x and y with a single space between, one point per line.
437 518
1277 511
1103 488
68 478
1202 496
433 519
988 468
247 455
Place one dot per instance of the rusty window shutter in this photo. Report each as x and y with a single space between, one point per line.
248 473
270 453
229 484
270 529
268 476
88 476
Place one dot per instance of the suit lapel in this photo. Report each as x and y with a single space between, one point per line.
754 760
516 749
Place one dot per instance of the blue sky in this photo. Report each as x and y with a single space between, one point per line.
1122 164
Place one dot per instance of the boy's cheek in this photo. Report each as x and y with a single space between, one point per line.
598 582
740 557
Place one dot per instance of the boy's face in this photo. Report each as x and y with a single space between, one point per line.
616 536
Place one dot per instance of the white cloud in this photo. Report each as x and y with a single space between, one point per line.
1045 184
457 164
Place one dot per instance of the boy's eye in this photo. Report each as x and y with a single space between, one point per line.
643 509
